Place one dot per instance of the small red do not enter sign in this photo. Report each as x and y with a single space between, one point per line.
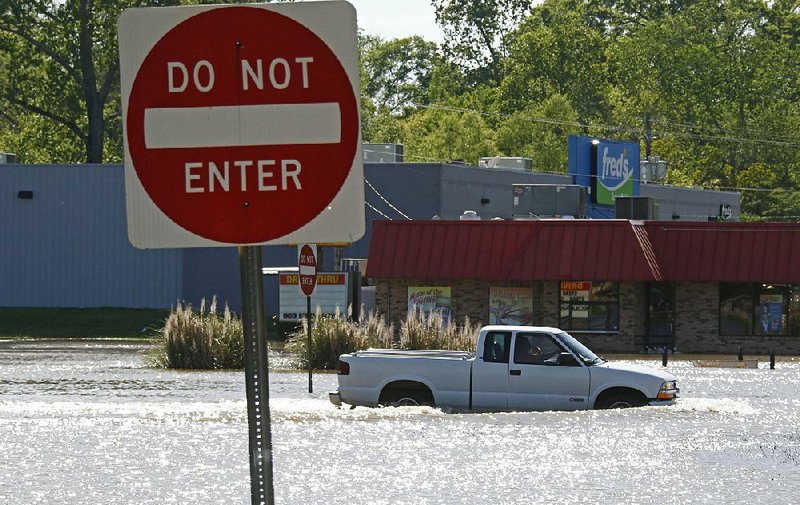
241 123
307 268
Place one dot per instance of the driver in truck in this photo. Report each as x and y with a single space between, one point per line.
525 352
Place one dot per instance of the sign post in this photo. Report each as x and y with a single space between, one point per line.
307 280
241 128
256 369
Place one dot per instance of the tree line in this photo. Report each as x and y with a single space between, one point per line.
718 79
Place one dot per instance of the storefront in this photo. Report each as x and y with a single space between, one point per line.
620 286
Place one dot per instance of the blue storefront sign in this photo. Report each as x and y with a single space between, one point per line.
610 168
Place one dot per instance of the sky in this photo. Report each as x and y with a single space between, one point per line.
397 18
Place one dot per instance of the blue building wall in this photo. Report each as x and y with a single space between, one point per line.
67 246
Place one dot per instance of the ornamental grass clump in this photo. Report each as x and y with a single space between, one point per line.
334 335
431 330
203 339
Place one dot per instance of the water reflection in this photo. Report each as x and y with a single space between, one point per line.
88 422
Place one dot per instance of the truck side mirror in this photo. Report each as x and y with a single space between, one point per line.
567 359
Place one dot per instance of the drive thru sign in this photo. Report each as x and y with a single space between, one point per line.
241 125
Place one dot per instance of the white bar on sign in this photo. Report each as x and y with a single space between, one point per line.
307 270
242 125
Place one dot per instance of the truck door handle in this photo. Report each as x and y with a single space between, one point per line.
515 372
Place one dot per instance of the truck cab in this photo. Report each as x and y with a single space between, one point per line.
528 370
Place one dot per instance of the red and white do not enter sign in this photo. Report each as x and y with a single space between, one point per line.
241 123
307 268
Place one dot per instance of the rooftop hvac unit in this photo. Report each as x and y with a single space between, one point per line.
638 208
548 200
513 163
383 153
8 158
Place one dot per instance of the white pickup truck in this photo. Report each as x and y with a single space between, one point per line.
515 368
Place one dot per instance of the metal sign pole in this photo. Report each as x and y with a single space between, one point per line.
256 376
308 318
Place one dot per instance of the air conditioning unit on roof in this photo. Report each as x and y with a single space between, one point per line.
548 201
640 208
383 153
509 162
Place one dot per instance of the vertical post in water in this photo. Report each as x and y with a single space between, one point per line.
256 376
308 350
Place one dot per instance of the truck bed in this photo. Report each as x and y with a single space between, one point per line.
399 353
447 373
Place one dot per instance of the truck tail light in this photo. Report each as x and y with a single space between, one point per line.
344 368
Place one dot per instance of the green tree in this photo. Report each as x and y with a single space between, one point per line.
395 78
439 134
720 79
540 132
396 73
475 34
65 69
557 50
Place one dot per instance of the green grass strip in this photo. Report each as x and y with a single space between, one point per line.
28 322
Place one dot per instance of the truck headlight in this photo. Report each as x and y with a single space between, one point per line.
668 391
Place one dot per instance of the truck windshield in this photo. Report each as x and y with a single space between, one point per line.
581 351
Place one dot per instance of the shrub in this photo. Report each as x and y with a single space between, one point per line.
424 331
332 336
202 339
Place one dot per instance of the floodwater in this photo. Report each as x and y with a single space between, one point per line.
88 423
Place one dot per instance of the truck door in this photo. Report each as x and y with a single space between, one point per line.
490 372
538 382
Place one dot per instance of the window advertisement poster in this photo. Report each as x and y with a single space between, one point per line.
572 293
330 296
429 299
511 306
771 314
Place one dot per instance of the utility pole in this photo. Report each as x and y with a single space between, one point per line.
648 135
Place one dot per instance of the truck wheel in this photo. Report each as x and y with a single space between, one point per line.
409 399
620 401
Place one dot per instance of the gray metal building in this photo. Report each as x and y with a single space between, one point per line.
63 231
63 242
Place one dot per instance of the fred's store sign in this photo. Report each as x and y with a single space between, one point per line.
609 167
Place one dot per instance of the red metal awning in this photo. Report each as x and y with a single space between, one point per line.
611 250
727 252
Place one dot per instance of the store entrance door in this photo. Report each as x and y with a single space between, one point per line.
660 320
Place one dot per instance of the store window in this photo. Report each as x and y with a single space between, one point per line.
772 310
589 306
758 309
735 308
